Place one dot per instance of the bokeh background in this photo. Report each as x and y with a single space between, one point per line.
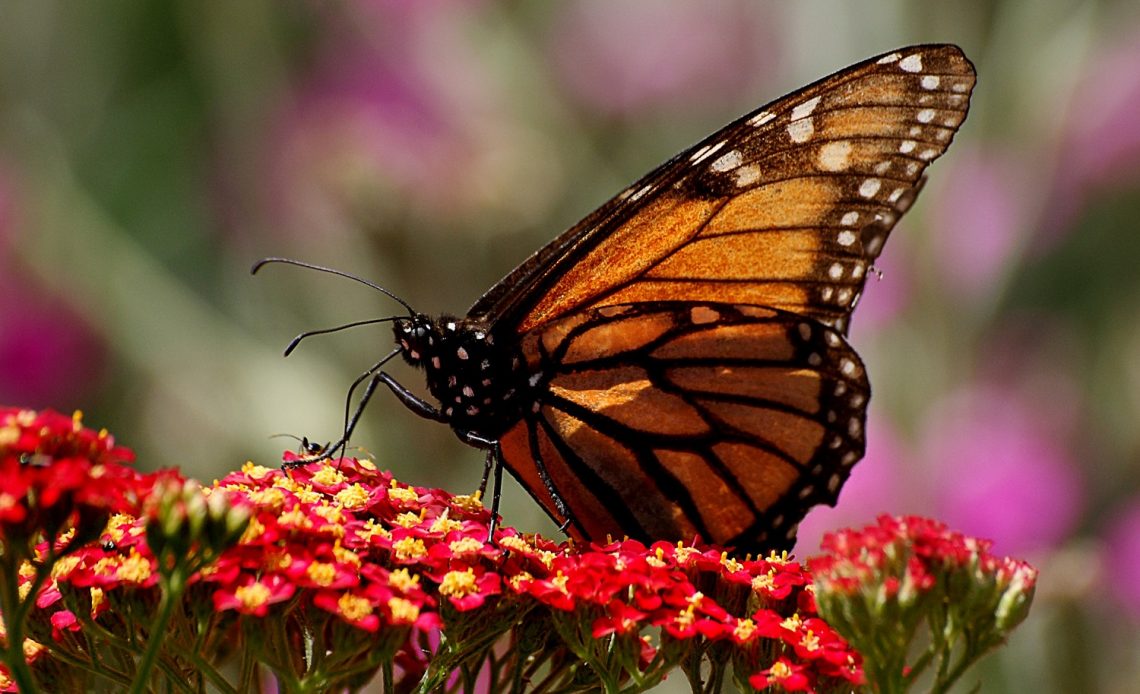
151 150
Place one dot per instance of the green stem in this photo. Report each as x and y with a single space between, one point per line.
14 614
172 587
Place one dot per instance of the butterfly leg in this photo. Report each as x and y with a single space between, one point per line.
495 455
487 465
412 401
341 444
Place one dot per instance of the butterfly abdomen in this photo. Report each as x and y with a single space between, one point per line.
481 387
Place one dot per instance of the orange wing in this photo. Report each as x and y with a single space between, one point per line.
670 420
786 207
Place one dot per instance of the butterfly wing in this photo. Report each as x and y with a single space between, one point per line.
677 420
786 207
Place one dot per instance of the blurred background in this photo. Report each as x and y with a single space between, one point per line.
151 151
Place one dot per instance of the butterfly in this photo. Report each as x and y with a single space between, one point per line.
675 366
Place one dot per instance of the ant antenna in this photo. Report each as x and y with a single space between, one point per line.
289 261
309 447
297 340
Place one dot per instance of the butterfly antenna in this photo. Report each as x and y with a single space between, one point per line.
332 271
309 333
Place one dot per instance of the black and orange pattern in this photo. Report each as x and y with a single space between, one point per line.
674 366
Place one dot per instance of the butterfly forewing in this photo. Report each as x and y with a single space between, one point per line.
670 420
786 207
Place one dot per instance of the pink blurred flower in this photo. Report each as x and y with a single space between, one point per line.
887 293
362 125
1123 568
397 110
48 355
876 486
978 218
624 58
999 471
1100 147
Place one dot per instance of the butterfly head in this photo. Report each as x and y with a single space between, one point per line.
418 337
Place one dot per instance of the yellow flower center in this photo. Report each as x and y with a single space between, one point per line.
253 595
458 583
354 496
354 607
409 548
403 611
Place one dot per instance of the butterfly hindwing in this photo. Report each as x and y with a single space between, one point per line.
786 207
679 420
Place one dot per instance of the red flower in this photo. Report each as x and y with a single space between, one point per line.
620 618
783 673
254 596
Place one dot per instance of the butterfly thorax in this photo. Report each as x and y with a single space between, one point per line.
480 386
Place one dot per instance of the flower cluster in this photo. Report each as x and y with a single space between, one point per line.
60 482
881 585
374 574
329 574
54 472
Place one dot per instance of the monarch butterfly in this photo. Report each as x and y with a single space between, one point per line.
674 366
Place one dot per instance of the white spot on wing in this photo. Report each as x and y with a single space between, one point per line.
889 58
869 187
849 219
729 160
911 63
907 146
801 130
747 175
641 193
846 237
761 118
835 156
805 109
835 271
930 81
925 115
704 152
